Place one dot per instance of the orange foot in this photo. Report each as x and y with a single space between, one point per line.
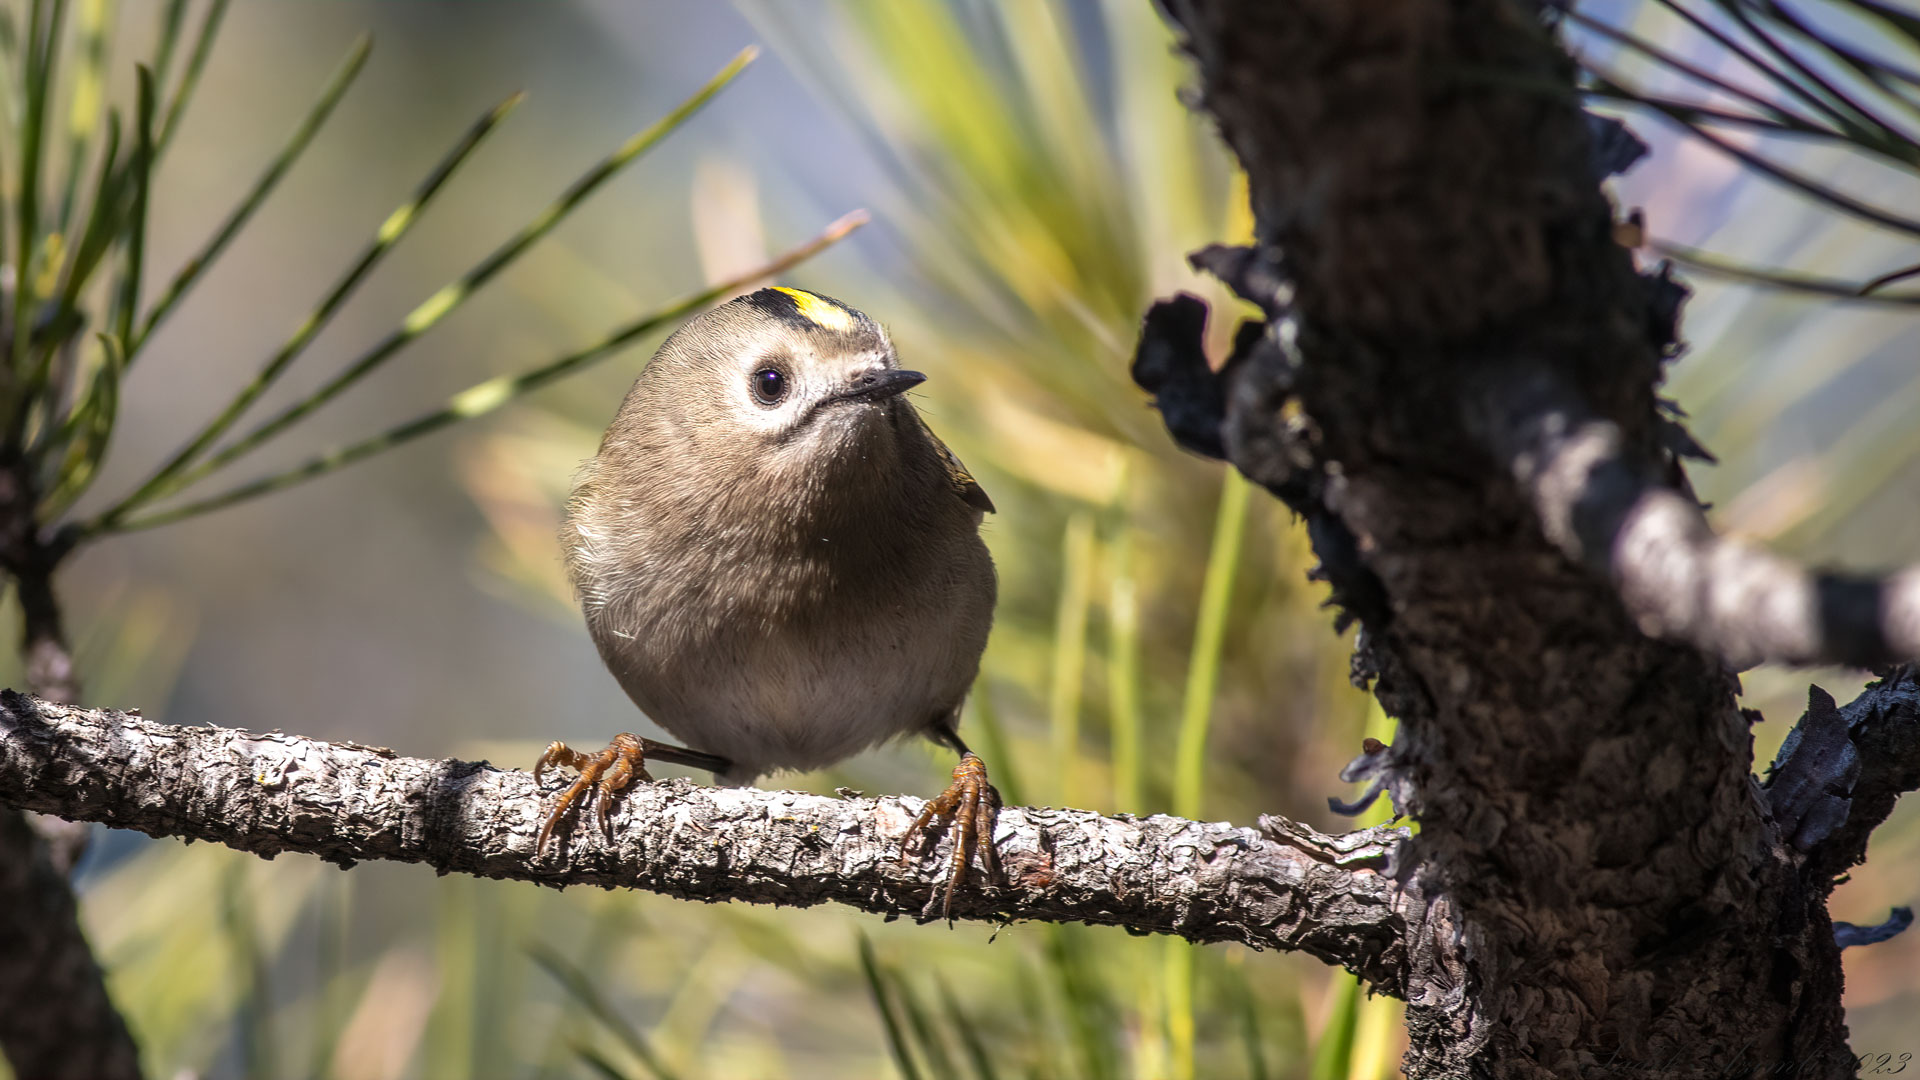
607 772
969 802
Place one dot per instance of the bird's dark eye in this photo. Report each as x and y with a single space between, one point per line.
769 386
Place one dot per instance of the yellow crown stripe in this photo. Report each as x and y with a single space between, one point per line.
818 310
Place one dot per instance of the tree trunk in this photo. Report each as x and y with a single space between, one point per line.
57 1021
1446 308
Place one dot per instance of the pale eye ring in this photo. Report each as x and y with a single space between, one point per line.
769 386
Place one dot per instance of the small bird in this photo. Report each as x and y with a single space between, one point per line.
780 562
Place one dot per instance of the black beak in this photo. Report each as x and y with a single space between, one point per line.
880 384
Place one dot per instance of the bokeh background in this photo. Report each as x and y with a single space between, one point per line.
1034 182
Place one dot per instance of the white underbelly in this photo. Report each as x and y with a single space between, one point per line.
784 701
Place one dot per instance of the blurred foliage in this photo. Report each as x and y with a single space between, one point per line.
1836 74
1820 101
72 318
1157 648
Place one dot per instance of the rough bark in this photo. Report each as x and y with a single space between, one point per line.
1455 385
56 1018
53 1002
1282 887
1841 770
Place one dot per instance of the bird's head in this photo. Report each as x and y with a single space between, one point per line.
781 376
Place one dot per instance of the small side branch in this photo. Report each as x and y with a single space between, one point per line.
1677 577
1841 770
269 793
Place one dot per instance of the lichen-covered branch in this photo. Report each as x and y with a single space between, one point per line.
274 793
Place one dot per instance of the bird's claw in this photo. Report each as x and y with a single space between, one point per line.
606 773
970 802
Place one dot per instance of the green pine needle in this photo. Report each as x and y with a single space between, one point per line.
40 56
87 430
1817 87
1209 642
450 297
169 477
1070 652
889 1019
972 1039
1695 259
85 108
172 17
993 738
1123 674
485 397
926 1032
190 79
141 166
581 988
595 1060
309 126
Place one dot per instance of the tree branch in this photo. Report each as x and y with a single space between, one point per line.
1842 768
1603 507
269 793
